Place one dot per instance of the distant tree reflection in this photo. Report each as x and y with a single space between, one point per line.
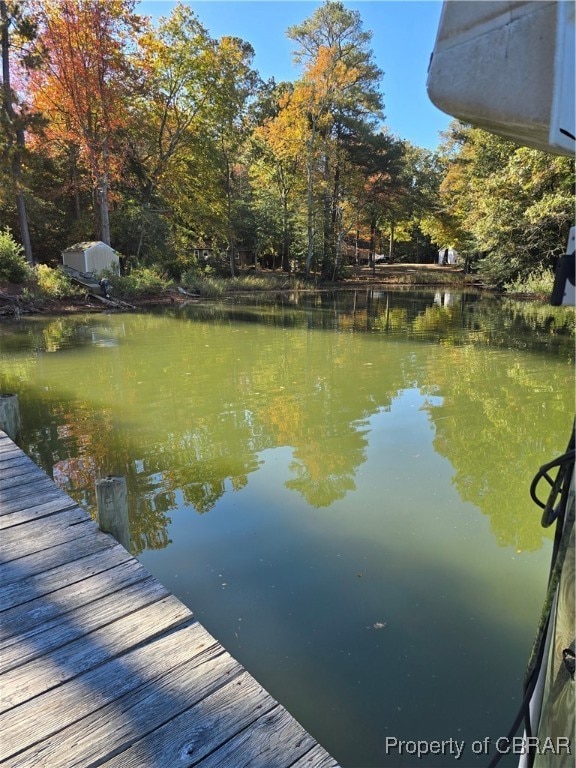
185 409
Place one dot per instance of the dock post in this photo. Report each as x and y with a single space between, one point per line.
112 503
10 415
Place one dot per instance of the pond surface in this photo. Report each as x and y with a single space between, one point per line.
337 486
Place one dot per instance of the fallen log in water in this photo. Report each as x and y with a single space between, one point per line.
116 303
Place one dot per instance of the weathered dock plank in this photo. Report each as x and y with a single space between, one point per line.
48 714
65 628
77 657
66 517
101 666
13 468
20 511
108 732
57 528
33 587
38 562
275 738
42 489
8 449
21 618
16 486
187 737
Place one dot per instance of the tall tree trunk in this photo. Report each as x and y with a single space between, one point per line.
146 203
231 239
310 199
73 153
337 254
310 218
284 204
336 232
140 237
285 248
103 198
391 246
104 214
23 220
372 252
327 232
18 149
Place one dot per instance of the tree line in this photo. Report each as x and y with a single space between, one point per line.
168 145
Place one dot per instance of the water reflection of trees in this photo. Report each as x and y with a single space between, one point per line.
447 317
497 424
76 445
197 448
308 391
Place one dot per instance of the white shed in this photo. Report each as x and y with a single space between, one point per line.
447 256
92 257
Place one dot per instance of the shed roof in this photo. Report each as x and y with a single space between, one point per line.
85 246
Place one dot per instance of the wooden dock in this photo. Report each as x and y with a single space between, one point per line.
101 666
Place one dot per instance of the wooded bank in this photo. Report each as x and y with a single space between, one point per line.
168 145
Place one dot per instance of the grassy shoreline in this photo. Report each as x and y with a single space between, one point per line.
16 300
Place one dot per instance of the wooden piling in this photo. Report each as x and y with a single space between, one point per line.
112 503
10 415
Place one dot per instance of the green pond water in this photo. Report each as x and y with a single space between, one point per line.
336 485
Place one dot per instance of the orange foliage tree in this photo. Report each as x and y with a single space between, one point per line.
339 94
84 85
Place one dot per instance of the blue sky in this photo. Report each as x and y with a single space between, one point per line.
403 38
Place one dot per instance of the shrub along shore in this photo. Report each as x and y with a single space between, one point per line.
44 290
51 291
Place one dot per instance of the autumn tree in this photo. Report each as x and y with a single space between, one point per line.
376 165
84 86
277 169
338 91
511 205
171 108
237 86
166 140
188 127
